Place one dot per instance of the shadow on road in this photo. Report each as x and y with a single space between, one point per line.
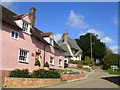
113 79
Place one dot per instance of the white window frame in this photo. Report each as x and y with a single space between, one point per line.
25 26
14 34
52 61
26 57
59 62
51 41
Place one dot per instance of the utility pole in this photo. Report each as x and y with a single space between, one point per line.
91 45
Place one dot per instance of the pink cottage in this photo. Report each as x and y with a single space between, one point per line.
22 43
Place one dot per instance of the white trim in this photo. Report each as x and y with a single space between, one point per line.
19 55
14 36
52 61
59 62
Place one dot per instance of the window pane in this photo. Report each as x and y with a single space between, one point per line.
13 33
16 36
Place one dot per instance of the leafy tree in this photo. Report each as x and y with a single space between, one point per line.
110 59
99 49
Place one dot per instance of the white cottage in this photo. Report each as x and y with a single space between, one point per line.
73 51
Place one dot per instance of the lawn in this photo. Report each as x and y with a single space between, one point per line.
115 72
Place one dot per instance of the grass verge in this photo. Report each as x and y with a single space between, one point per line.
115 72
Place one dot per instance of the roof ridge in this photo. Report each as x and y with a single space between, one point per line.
8 9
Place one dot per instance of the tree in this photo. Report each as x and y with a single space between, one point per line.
108 50
110 59
99 49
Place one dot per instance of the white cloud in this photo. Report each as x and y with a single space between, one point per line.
57 37
115 49
76 21
96 32
115 20
100 36
107 40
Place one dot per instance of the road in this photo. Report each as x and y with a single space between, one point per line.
98 79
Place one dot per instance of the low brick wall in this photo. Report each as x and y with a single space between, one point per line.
72 65
72 76
29 82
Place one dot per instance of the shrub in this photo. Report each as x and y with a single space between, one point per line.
46 65
37 63
45 74
88 60
79 66
20 73
110 59
75 61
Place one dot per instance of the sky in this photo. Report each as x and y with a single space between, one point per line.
78 18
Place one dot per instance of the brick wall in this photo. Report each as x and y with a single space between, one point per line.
72 65
29 82
3 74
72 76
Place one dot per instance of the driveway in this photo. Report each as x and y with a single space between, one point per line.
98 79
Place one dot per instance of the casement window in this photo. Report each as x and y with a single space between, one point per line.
14 34
51 60
60 62
23 55
25 26
51 41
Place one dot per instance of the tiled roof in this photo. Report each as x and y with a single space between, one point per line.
46 34
72 43
19 16
8 17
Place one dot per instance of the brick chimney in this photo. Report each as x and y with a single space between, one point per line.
32 16
66 37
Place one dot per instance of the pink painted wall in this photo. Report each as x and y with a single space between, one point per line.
11 48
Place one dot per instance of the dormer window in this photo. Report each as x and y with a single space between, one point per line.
51 41
25 26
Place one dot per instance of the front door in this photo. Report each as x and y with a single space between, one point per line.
37 57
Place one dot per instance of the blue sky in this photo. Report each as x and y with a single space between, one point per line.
79 18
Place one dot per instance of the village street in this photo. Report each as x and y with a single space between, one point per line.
98 79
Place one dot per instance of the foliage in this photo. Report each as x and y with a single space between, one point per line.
24 73
79 66
46 65
37 63
99 49
89 61
20 73
110 59
75 61
45 74
115 72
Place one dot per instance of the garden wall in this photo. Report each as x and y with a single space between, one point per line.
29 82
72 76
72 65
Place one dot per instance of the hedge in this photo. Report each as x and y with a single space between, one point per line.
35 74
45 74
24 73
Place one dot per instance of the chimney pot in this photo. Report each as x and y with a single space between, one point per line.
32 16
66 37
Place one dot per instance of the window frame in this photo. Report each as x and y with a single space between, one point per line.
59 62
52 61
26 56
52 41
14 34
25 26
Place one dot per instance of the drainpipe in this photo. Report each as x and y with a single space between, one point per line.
44 55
